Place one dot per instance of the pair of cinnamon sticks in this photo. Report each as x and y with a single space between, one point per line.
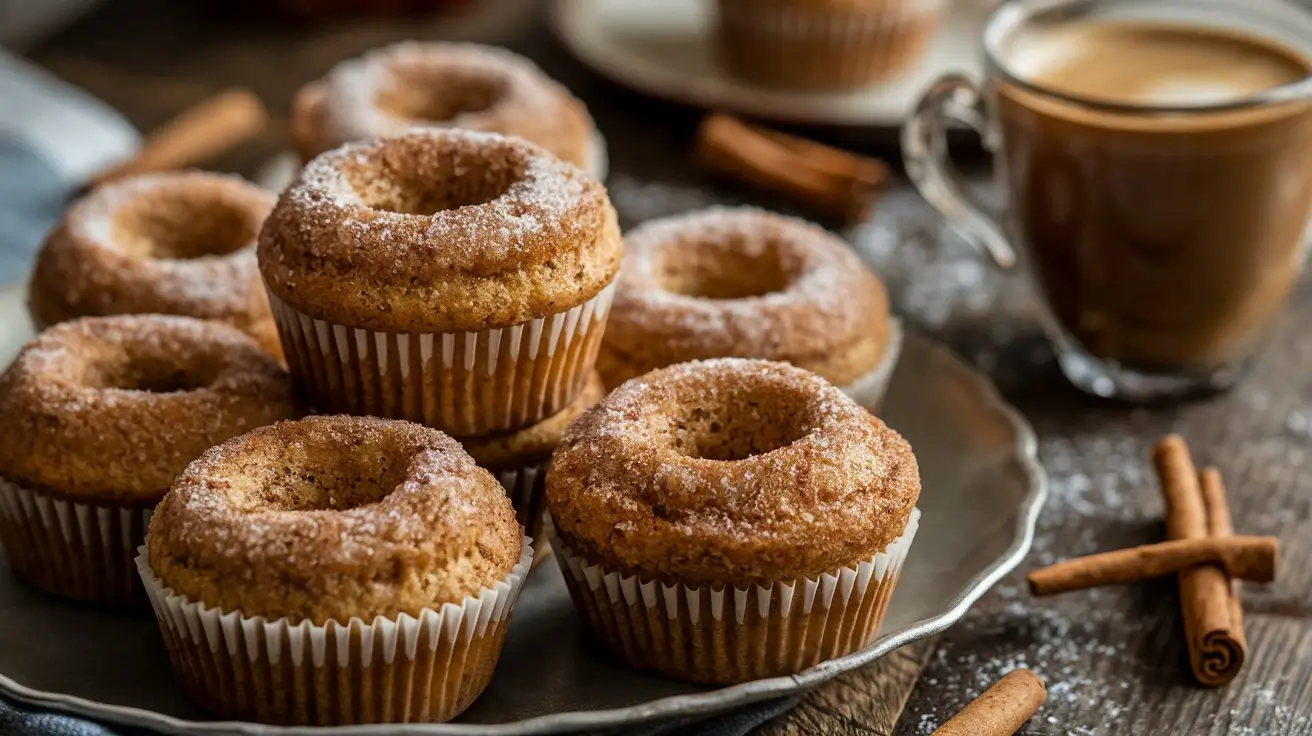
828 181
1201 548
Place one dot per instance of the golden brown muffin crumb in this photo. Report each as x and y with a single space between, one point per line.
439 231
429 84
178 243
113 408
743 282
730 472
332 518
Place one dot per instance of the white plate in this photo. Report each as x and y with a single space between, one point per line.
664 49
983 487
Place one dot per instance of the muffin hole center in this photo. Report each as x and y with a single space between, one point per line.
149 375
746 423
183 224
437 96
410 181
725 270
330 479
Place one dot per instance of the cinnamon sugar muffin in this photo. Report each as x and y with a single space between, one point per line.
97 416
824 44
727 520
453 278
434 84
519 459
746 283
178 243
335 570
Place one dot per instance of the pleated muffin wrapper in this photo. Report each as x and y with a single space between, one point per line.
869 390
824 46
404 669
73 549
707 635
526 487
466 384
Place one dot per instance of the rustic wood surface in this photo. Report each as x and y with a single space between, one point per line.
1113 659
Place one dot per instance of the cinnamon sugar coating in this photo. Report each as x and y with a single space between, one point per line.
113 408
432 84
178 243
534 443
730 472
439 231
743 282
334 517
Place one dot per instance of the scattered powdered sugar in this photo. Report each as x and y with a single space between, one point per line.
546 197
206 285
820 293
353 86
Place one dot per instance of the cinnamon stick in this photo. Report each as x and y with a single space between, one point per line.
1002 709
1219 524
1196 508
1246 558
200 132
830 181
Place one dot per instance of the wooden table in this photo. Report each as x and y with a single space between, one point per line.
1113 659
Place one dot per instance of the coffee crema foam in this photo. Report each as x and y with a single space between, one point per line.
1152 63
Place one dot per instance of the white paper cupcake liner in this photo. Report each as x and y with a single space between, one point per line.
406 669
728 635
526 488
463 383
869 390
76 550
823 46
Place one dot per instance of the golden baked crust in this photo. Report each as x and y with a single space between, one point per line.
730 472
178 243
747 283
334 517
433 84
534 443
113 408
439 231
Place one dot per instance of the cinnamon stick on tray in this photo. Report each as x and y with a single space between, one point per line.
208 128
830 181
1246 558
1002 709
1196 508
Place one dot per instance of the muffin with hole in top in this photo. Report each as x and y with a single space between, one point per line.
728 520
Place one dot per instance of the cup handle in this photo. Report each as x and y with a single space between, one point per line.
952 98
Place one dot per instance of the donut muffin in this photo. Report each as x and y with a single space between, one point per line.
453 278
433 84
519 459
829 45
746 283
177 243
335 570
728 520
97 416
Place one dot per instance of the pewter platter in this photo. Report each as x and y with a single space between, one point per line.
982 491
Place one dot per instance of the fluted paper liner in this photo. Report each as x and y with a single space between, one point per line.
73 549
707 635
869 390
526 488
824 46
405 669
463 383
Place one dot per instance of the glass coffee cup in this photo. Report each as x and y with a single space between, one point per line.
1155 158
